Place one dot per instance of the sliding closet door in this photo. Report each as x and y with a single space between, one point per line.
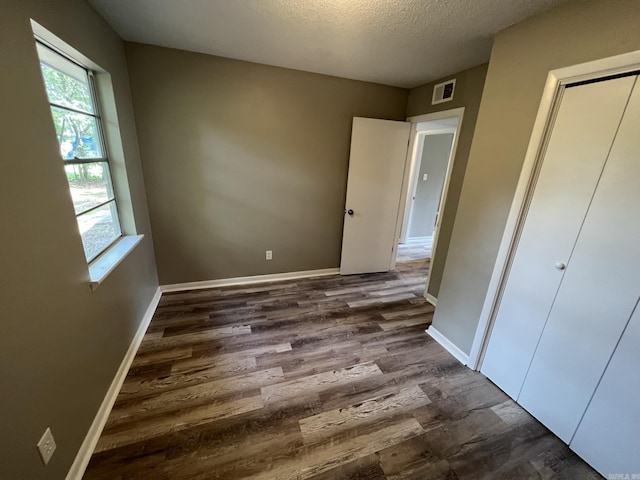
583 131
608 434
598 293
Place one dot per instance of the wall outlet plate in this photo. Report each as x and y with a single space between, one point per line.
269 254
46 446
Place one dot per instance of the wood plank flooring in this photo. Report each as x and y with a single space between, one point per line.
320 378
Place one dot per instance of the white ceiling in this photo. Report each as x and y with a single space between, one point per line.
395 42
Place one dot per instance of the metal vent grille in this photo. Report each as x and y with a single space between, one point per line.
443 92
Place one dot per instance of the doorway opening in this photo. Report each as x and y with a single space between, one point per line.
428 170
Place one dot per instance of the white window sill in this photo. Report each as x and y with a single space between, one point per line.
101 267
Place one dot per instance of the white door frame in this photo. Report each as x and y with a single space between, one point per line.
414 153
557 80
411 173
416 164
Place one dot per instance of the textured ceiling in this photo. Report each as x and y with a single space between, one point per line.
395 42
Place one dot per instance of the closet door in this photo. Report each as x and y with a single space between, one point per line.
598 292
583 131
608 434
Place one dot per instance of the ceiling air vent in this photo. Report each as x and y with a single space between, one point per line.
443 92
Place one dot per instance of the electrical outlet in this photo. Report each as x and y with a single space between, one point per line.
46 446
424 177
269 255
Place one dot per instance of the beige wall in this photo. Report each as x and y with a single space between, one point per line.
468 92
522 56
436 151
60 344
240 158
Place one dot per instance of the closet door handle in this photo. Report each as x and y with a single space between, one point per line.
561 265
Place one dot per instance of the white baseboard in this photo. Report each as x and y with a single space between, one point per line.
431 299
419 240
226 282
448 345
89 444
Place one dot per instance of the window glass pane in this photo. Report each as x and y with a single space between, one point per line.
99 228
69 91
77 134
90 184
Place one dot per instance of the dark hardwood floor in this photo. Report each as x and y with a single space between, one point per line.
323 378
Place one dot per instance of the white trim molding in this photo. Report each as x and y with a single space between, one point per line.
440 115
431 299
226 282
557 80
90 441
447 344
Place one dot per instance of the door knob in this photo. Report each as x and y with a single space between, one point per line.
561 265
350 212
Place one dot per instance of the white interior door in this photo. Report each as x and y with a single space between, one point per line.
374 187
584 129
608 434
598 294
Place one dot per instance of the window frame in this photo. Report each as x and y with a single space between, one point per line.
112 199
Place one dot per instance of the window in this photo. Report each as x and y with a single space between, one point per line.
74 108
